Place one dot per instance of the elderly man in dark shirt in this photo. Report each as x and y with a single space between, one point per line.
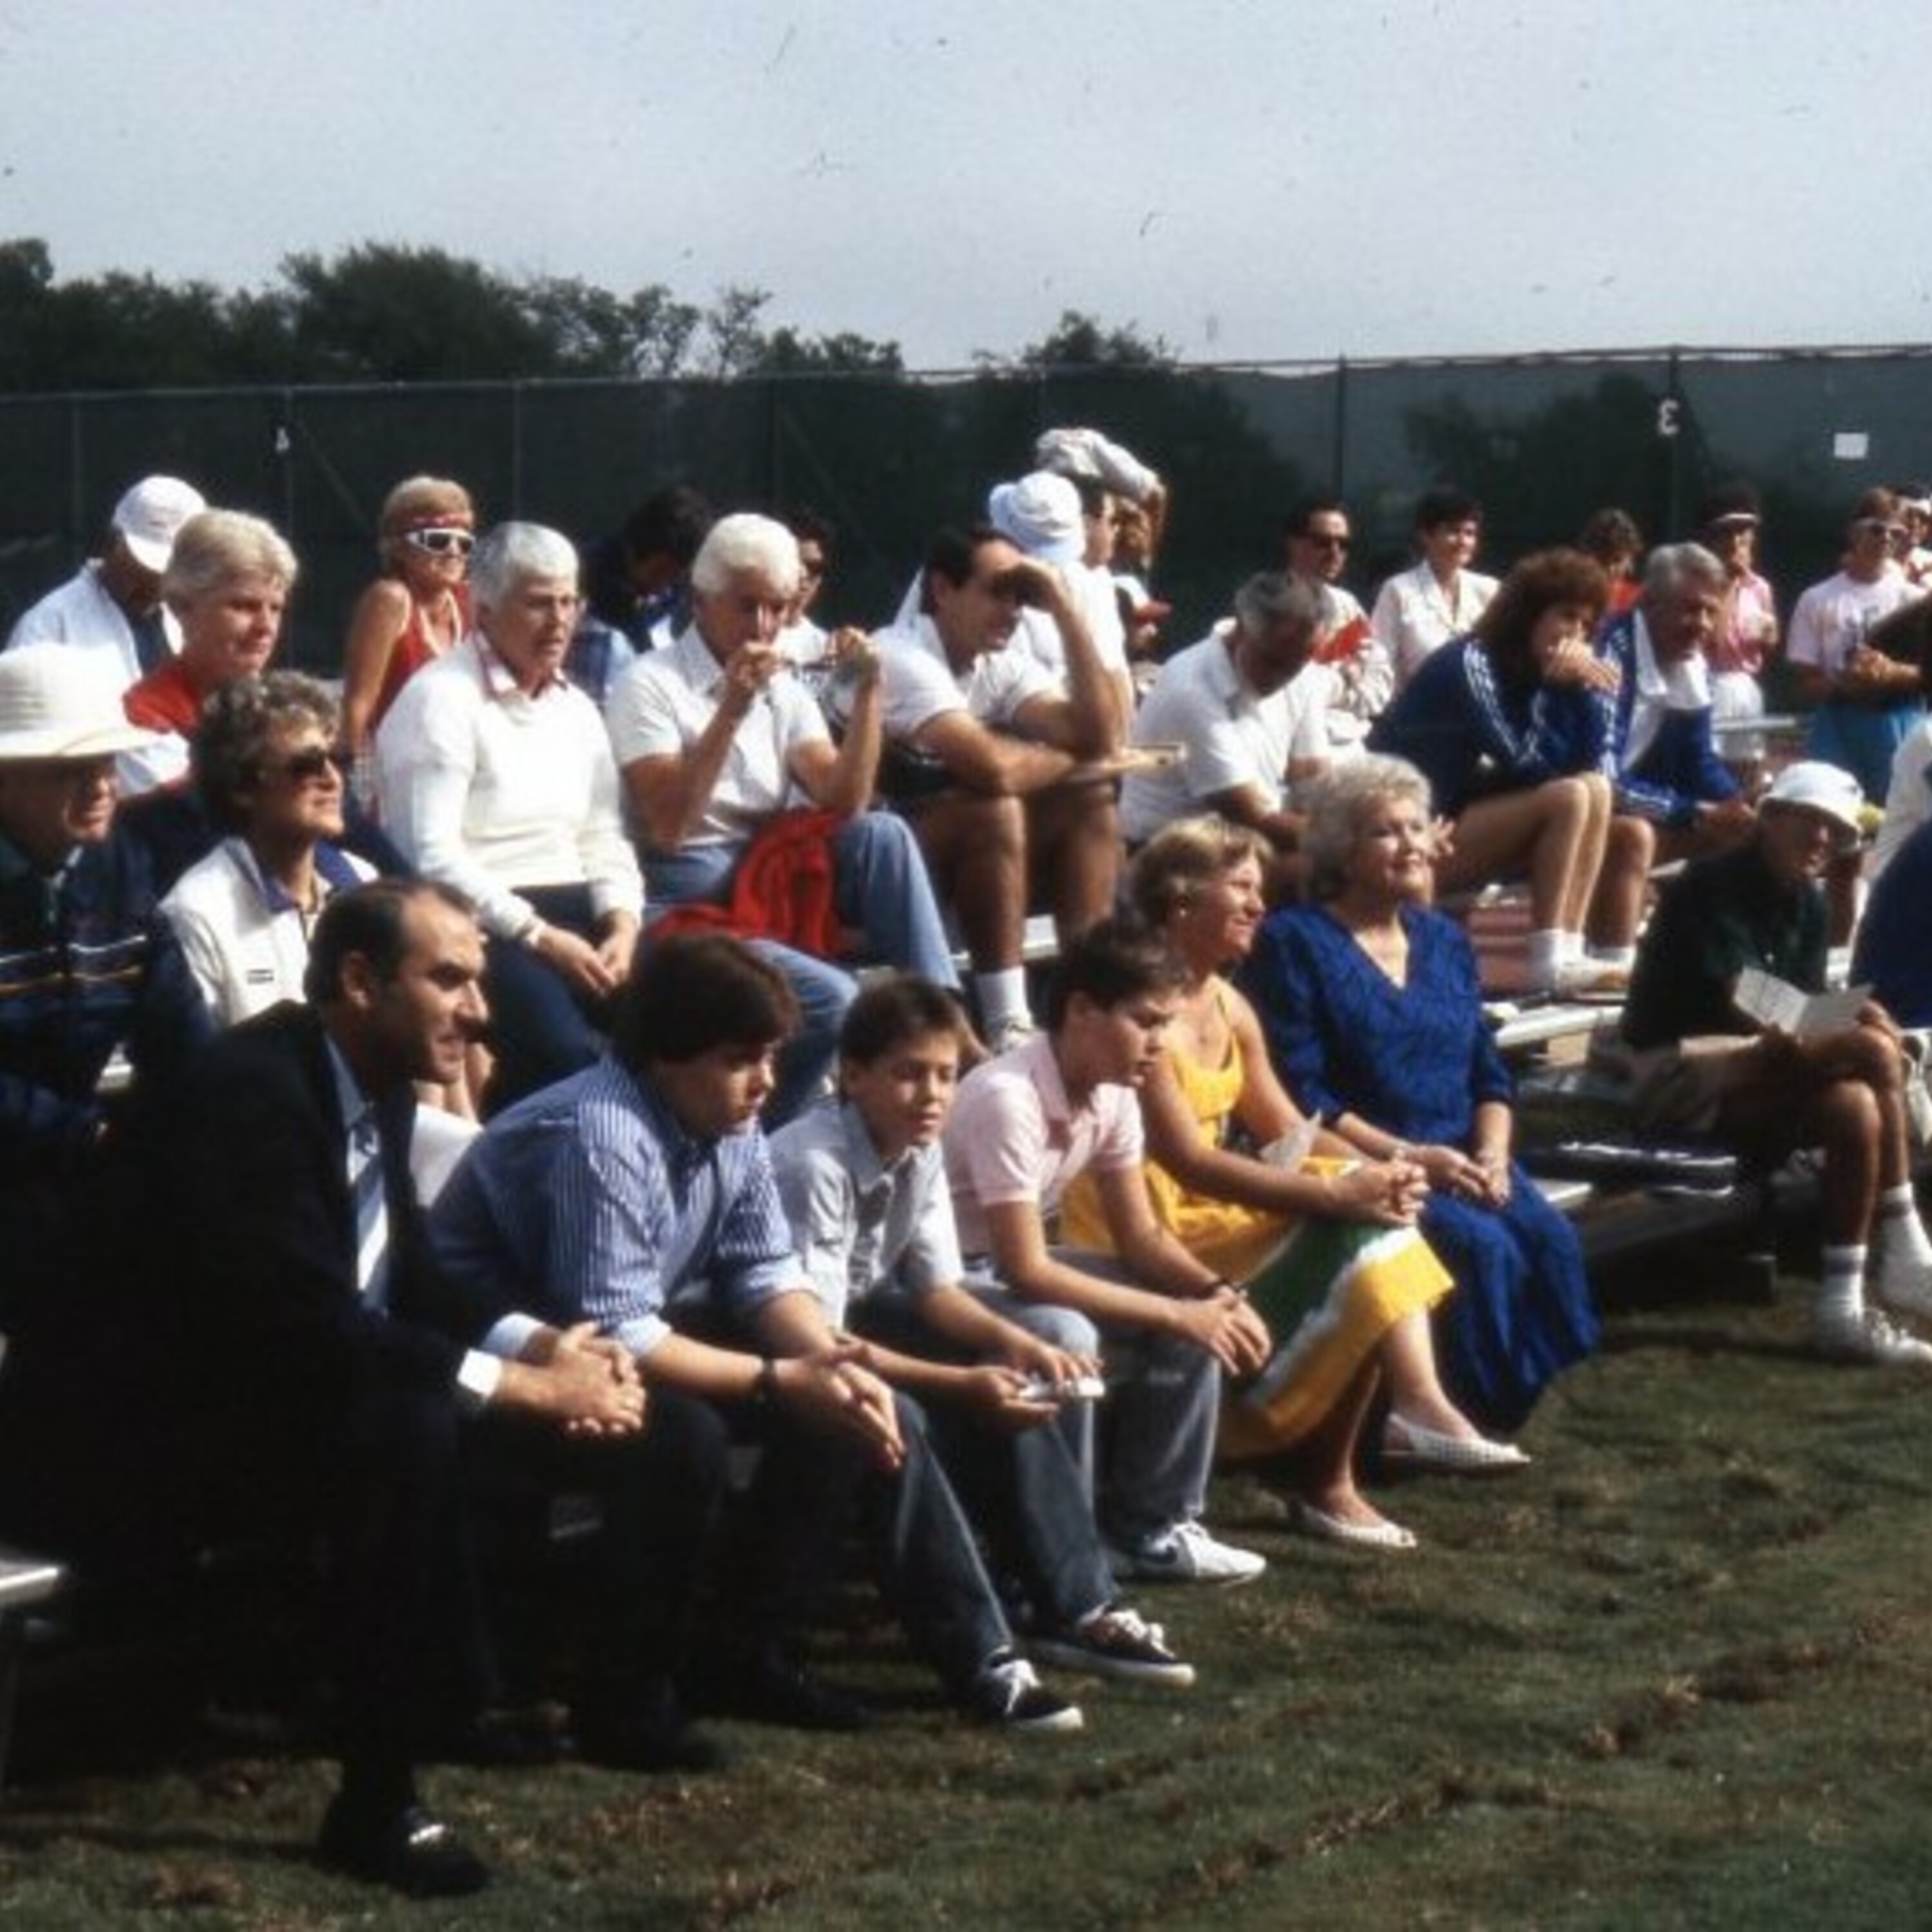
1704 1064
86 964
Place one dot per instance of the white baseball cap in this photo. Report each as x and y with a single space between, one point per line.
150 514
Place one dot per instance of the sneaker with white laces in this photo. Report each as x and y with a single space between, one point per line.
1868 1336
1187 1554
1903 1284
1114 1642
1008 1692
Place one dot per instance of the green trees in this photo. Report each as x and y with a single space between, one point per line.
382 312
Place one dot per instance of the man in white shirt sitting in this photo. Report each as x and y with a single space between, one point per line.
1248 705
985 744
716 737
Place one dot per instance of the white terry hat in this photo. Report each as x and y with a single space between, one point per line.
61 701
149 516
1812 785
1041 514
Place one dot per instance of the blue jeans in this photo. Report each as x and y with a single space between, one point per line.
880 888
1156 1427
1024 1489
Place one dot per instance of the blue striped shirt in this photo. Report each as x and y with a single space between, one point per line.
589 1202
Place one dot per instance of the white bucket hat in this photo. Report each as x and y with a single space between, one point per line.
1812 785
151 515
62 701
1041 514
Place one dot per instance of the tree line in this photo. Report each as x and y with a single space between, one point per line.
379 312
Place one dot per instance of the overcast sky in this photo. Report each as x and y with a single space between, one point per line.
1251 179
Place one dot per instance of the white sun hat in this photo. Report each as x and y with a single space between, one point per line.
58 700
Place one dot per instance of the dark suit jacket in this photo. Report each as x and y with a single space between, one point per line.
244 1241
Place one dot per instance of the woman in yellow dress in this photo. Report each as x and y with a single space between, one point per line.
1325 1241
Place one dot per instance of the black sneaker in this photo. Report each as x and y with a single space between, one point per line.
1116 1642
407 1850
1007 1692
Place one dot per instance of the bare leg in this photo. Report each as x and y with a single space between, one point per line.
1587 860
1545 833
1322 1466
1407 1358
1616 907
1075 838
975 847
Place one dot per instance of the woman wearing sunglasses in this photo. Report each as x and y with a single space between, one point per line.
417 610
266 765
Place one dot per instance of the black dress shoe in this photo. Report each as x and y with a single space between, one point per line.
648 1745
507 1741
773 1690
407 1850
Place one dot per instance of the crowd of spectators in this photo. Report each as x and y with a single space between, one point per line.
542 1059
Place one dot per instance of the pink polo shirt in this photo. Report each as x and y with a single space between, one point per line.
1014 1135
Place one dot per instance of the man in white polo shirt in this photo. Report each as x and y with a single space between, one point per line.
1248 706
983 744
717 737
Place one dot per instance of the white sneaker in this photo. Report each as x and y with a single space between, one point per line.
1868 1336
1904 1285
1187 1554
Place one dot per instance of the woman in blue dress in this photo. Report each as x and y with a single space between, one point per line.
1373 1015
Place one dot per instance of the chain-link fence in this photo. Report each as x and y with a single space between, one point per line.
1541 441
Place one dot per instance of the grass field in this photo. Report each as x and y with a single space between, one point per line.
1678 1673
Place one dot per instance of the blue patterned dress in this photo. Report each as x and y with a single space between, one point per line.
1417 1061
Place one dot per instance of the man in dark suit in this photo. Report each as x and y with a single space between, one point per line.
314 1360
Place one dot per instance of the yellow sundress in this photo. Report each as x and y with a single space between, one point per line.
1329 1290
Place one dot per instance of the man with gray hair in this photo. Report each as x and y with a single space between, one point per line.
717 737
1247 706
1662 758
495 776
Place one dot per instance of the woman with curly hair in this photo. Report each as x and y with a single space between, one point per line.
1510 725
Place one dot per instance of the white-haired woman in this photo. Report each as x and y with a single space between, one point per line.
1373 1018
1325 1241
227 582
494 776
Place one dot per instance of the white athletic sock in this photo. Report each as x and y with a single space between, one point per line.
1898 1223
1544 953
1002 997
1841 1284
1624 956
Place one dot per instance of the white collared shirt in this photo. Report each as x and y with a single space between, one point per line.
245 941
1661 688
862 1227
1231 735
660 708
920 683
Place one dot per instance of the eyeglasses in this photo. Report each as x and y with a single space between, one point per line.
1326 540
440 542
310 767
